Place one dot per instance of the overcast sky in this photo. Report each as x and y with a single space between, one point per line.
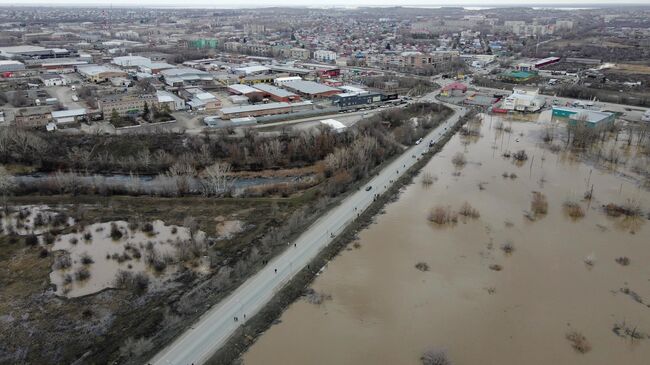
314 3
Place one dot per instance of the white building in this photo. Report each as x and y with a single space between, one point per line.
523 100
171 100
283 80
325 55
54 80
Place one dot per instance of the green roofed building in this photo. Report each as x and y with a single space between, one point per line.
588 118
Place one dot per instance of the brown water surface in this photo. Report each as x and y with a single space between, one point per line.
385 311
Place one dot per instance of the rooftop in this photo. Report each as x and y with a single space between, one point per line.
274 90
243 89
309 87
254 108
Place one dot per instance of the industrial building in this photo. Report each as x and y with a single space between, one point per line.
265 109
348 100
35 52
69 116
523 100
99 73
588 118
245 90
251 70
126 104
33 117
173 102
11 66
310 89
184 75
53 80
277 94
279 81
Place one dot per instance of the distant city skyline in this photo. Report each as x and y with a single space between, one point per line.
319 3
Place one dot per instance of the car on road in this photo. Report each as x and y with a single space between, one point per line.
75 98
368 188
418 141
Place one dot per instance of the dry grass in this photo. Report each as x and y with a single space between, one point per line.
466 210
539 204
442 215
578 342
573 209
428 179
630 208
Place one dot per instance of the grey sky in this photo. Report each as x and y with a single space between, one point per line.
313 3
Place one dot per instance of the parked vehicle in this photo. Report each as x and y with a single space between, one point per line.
418 141
368 188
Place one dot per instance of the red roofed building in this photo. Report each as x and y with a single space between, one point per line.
454 89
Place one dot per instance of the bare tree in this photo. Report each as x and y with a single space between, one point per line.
7 184
216 178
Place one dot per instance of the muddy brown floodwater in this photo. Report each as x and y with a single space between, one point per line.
385 311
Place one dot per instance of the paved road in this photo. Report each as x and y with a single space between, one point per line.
196 345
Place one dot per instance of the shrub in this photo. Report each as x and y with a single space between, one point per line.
539 204
590 260
496 267
315 297
508 247
134 348
86 259
629 209
520 155
459 160
82 274
427 179
573 209
147 228
578 342
62 262
137 283
422 266
435 357
44 253
73 240
31 240
48 238
116 233
466 210
623 260
442 215
88 236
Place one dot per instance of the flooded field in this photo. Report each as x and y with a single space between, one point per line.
529 271
103 250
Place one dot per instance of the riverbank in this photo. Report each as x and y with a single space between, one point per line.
246 335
